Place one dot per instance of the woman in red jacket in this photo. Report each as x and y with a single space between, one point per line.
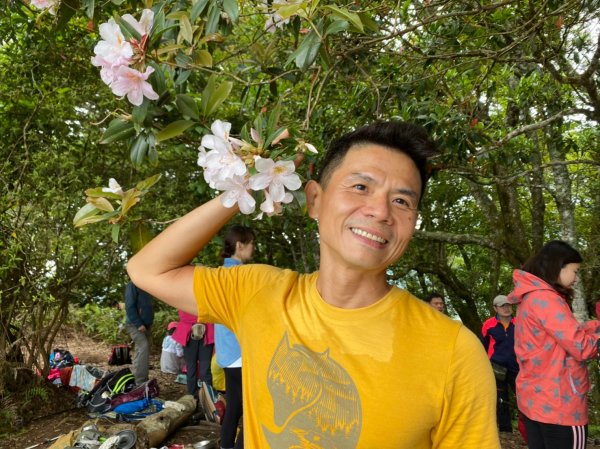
552 349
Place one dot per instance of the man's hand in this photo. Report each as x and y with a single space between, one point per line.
142 328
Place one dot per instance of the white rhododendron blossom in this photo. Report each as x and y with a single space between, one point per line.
144 25
50 5
115 55
113 187
274 176
227 169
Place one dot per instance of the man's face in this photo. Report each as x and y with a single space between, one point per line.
367 211
505 310
437 303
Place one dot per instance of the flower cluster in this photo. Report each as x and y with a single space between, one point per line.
115 55
230 161
50 5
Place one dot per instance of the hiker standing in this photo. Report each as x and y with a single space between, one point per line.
238 249
552 349
338 357
498 336
139 318
197 340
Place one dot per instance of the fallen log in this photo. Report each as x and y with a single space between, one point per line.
155 429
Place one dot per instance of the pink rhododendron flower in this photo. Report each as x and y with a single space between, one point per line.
132 83
50 5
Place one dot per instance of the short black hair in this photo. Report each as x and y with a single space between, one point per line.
547 263
408 138
433 295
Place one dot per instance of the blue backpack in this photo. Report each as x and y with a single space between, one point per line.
137 410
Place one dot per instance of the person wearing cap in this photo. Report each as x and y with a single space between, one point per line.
171 357
498 336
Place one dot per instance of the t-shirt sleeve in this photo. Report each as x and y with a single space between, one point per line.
468 417
222 294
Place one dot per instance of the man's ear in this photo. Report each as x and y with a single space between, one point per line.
313 198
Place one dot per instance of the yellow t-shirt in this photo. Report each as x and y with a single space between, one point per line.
394 375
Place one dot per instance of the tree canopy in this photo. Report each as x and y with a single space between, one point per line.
508 89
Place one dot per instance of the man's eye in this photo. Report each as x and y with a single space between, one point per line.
360 187
402 202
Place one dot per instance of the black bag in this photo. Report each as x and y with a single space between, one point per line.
120 355
110 385
499 372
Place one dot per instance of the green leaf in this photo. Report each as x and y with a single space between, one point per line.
138 150
98 192
337 26
86 215
212 21
219 96
173 129
344 14
116 228
101 203
118 129
139 112
148 182
128 31
197 9
187 106
139 235
66 9
157 79
306 52
203 58
185 28
130 199
273 136
231 8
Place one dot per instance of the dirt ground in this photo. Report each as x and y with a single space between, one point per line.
61 416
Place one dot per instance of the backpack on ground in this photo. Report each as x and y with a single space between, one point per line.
120 355
60 358
110 385
147 390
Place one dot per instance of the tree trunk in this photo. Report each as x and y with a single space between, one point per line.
155 429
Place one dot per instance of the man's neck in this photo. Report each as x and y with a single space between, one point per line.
348 289
505 319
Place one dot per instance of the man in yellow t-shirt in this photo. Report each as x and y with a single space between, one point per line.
338 358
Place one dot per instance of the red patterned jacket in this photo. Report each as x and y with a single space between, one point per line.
552 349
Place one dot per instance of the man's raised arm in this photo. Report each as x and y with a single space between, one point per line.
162 267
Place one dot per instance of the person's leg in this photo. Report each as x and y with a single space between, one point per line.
553 436
190 355
205 353
535 439
503 407
564 437
142 353
233 409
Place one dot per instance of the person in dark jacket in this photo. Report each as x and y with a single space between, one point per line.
139 318
498 336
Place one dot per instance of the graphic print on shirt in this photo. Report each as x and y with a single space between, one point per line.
316 402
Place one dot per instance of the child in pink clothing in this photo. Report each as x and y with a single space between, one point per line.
552 349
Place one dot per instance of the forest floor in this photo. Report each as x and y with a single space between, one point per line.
60 415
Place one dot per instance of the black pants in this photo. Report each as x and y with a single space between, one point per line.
503 412
553 436
196 351
233 409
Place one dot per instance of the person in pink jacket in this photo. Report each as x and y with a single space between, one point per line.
552 349
198 342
